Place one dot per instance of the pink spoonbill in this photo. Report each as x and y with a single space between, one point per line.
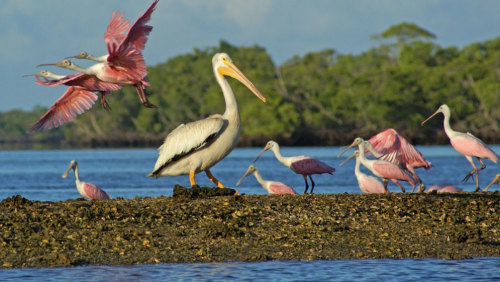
197 146
87 190
304 165
444 189
367 183
115 38
124 63
466 144
273 187
396 149
383 169
79 97
495 180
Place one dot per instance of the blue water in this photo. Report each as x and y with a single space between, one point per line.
478 269
36 175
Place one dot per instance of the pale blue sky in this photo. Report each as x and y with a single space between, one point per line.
34 31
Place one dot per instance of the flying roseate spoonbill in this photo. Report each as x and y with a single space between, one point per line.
87 190
115 38
197 146
304 165
495 180
273 187
89 82
444 189
396 149
124 62
383 169
108 73
78 98
367 183
466 144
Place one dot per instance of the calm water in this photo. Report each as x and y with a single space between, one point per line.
479 269
36 175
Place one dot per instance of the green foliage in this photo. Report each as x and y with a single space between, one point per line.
321 93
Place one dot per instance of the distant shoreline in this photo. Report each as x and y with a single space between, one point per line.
190 228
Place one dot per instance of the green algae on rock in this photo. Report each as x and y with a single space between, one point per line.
248 228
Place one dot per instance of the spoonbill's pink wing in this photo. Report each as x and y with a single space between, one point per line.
89 82
73 102
281 188
396 149
127 55
469 145
308 165
391 171
116 30
444 189
94 193
137 36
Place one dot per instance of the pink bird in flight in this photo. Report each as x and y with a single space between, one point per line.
79 97
123 65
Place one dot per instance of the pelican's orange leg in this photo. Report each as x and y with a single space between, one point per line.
191 178
213 179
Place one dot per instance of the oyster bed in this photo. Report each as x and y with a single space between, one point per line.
213 225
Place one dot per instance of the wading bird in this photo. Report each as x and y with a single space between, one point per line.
367 183
197 146
444 189
396 149
304 165
273 187
87 190
466 144
79 97
383 169
124 63
495 180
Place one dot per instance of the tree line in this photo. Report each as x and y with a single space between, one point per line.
320 98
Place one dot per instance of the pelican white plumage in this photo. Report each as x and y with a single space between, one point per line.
197 146
87 190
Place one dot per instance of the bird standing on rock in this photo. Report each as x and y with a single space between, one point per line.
396 149
272 187
466 144
384 169
197 146
367 183
304 165
87 190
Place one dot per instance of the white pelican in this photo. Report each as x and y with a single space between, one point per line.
197 146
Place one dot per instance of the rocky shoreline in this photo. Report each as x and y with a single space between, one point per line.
213 225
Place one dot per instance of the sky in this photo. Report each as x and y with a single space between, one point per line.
34 32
